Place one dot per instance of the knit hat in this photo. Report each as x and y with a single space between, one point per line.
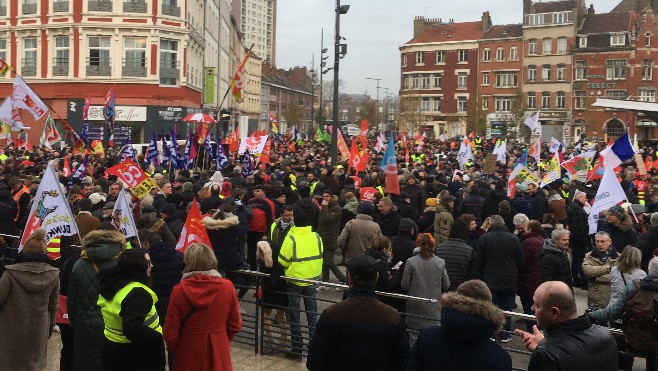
616 211
475 289
36 243
431 202
96 198
504 206
366 207
169 209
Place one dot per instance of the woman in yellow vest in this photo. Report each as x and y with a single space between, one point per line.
133 336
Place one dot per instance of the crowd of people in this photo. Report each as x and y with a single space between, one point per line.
452 235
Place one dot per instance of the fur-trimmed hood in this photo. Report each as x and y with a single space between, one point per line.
229 221
430 209
101 246
469 319
264 252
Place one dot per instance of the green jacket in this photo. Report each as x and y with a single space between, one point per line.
442 223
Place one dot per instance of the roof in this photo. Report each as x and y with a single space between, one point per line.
648 108
503 31
554 6
445 32
282 81
604 23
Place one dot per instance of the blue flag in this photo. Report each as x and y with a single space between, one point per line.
84 133
166 152
176 161
152 155
128 151
247 166
79 172
207 144
222 160
523 159
188 158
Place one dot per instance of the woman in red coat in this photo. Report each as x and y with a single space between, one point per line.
529 277
203 315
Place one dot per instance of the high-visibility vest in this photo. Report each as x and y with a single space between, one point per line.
17 196
301 254
566 194
54 248
114 323
380 189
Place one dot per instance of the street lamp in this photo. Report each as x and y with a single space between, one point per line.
323 64
339 49
377 102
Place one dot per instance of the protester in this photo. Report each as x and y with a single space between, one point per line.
619 226
444 218
530 274
597 266
459 257
329 229
357 235
579 238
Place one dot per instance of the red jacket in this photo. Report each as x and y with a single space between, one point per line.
263 215
203 343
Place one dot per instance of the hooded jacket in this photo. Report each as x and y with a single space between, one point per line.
462 342
223 236
203 341
530 273
166 272
442 222
555 265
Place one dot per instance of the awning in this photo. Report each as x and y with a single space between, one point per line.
650 109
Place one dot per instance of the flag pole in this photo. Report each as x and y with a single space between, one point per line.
232 84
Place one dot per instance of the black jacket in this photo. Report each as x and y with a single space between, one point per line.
539 205
175 225
167 271
492 203
500 256
417 195
647 242
576 345
8 211
473 204
555 265
389 223
460 261
359 333
578 226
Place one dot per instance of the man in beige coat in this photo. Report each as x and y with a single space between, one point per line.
597 266
357 235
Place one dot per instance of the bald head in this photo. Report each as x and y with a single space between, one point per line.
556 294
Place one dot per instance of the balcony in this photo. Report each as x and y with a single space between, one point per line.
60 66
134 67
100 5
61 6
29 67
170 10
29 9
169 73
134 7
96 67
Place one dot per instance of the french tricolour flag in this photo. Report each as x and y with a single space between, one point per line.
621 150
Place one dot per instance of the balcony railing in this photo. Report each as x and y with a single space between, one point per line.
60 66
98 68
3 11
60 6
171 10
29 9
134 7
134 67
100 5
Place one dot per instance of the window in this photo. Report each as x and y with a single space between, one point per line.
500 54
647 39
562 17
440 56
461 104
616 94
462 55
425 105
437 81
532 72
425 81
486 55
532 46
3 49
546 72
462 79
503 104
99 51
535 19
618 40
485 103
62 51
561 72
414 82
404 59
561 100
547 46
581 70
135 52
169 62
545 99
419 57
29 56
485 78
407 82
532 99
29 7
506 80
582 41
580 99
436 104
616 69
513 53
647 69
562 45
647 95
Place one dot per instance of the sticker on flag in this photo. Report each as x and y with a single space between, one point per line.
194 231
253 144
122 216
139 183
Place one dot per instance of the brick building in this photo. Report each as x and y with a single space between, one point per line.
284 94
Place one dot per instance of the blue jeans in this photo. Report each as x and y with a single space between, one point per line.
294 314
505 301
526 303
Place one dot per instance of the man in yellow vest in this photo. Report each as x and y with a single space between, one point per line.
301 257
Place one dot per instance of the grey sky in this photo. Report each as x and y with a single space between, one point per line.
374 30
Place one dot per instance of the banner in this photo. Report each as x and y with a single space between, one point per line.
390 166
465 154
122 216
253 144
608 195
521 175
9 114
194 231
209 91
25 98
137 181
49 210
50 136
552 171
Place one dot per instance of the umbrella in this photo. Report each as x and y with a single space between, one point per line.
199 117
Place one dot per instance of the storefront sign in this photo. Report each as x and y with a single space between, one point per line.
123 113
171 113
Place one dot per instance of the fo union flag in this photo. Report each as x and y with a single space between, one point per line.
608 195
194 230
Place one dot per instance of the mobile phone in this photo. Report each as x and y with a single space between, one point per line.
398 264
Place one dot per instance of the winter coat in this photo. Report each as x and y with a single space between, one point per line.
389 279
500 257
523 205
426 221
389 223
623 235
558 207
473 204
155 225
575 345
402 247
647 242
417 195
329 223
462 342
555 265
29 294
460 261
100 248
425 278
539 205
598 275
359 333
442 223
166 272
492 203
578 226
406 210
223 236
618 284
274 288
357 235
203 341
547 229
8 211
175 225
530 273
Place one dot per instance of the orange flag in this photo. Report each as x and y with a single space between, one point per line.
194 230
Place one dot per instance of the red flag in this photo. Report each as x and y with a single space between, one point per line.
406 155
233 142
238 79
66 170
364 143
265 155
471 135
356 159
292 147
194 230
647 163
364 127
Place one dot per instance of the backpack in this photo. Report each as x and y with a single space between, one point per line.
640 316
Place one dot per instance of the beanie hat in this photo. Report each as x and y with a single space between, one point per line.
475 289
366 207
505 206
169 209
36 243
431 202
616 211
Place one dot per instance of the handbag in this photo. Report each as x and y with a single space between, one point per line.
62 311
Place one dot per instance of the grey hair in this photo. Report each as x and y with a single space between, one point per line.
653 267
496 221
558 233
520 219
603 233
654 218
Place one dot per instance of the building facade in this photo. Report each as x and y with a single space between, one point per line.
288 96
258 25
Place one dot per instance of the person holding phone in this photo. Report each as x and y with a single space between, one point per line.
389 271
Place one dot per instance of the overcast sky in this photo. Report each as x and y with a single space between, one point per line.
374 30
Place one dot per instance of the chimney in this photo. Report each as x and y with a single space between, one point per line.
591 11
527 6
486 21
420 25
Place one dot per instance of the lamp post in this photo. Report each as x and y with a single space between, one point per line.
338 53
376 102
323 64
385 107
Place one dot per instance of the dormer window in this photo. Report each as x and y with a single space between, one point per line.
582 41
618 40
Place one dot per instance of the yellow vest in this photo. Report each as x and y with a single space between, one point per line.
54 248
301 254
114 323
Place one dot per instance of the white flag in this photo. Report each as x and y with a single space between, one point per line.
122 216
609 194
9 115
49 210
442 137
26 98
501 151
254 145
465 154
555 146
533 121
